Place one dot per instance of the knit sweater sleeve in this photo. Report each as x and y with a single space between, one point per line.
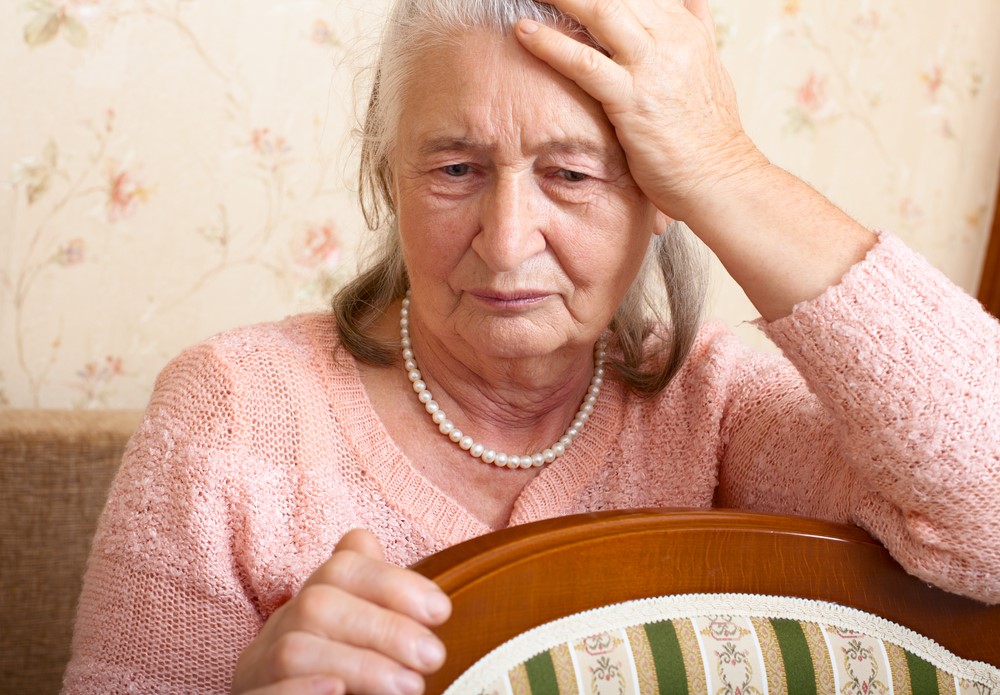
885 420
164 607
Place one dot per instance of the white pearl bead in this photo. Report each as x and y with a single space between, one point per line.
455 435
501 459
576 427
549 455
413 374
565 440
526 462
599 372
446 426
431 406
419 385
510 465
558 449
424 397
410 364
489 456
597 381
438 417
476 450
587 408
465 443
407 353
537 460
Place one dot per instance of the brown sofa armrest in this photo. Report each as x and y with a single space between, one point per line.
55 470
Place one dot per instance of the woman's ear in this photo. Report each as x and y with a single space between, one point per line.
661 223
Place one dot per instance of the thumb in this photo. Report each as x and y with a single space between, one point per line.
363 542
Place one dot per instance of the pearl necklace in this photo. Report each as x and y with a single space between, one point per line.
467 443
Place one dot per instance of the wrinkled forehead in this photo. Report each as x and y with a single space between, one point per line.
485 88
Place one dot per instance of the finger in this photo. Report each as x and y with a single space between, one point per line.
701 10
310 685
611 22
386 585
362 541
594 72
337 616
300 655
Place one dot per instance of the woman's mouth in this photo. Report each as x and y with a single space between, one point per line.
509 301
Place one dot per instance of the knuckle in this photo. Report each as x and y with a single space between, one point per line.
286 658
588 62
606 9
311 602
341 568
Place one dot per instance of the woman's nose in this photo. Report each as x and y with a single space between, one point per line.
510 224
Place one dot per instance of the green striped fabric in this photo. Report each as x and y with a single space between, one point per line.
542 675
800 674
729 653
667 657
923 675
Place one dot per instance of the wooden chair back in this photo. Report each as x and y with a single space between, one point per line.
507 582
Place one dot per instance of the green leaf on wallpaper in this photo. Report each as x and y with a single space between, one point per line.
75 32
42 29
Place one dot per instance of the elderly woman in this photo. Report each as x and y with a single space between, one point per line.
525 169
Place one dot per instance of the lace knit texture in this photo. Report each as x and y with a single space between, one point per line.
260 449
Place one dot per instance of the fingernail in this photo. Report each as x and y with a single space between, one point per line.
527 26
430 651
408 682
438 605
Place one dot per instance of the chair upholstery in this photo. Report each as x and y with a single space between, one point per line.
507 583
55 471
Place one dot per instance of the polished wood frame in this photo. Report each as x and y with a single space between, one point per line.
989 284
504 583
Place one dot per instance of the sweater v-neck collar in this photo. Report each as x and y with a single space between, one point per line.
444 519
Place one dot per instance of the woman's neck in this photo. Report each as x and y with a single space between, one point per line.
517 405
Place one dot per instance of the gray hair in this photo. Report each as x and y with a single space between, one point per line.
415 26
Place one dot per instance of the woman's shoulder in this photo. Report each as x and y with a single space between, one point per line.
296 354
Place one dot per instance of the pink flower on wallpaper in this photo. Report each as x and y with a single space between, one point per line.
317 247
811 94
271 147
323 34
867 22
95 378
71 253
933 79
124 193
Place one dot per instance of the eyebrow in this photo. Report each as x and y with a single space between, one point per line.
584 146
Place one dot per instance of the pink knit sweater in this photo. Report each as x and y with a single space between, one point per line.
260 449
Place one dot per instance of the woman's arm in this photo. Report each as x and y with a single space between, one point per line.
886 419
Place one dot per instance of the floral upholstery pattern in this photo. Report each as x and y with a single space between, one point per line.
724 644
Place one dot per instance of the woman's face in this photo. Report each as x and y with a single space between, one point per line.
520 224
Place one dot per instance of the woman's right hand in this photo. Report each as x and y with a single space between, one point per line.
358 625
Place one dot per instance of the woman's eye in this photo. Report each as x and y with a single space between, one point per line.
456 169
572 176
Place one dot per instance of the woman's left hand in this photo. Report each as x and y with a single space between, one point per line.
663 88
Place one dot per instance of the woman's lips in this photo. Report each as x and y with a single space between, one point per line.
510 300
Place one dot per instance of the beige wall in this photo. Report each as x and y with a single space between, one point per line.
170 169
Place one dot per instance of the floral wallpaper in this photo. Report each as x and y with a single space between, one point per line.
173 168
